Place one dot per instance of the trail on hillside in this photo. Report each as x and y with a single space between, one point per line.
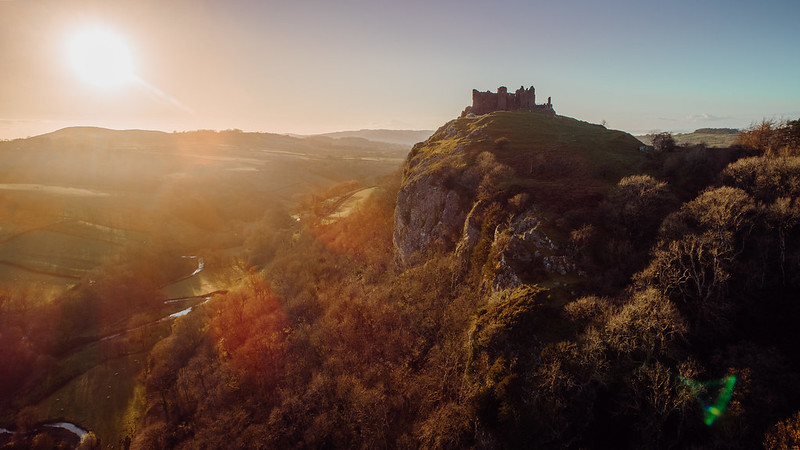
350 204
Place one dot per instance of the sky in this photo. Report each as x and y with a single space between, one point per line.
315 66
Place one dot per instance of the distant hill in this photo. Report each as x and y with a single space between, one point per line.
712 137
62 194
733 131
404 137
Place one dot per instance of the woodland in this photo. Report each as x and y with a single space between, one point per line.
681 334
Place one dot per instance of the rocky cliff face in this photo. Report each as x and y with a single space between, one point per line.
433 199
428 218
471 189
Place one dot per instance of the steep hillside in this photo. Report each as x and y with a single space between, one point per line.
622 290
508 184
579 301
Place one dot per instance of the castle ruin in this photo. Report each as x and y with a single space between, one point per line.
524 99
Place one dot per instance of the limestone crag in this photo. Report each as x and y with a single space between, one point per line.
471 233
501 189
524 249
452 201
428 218
435 196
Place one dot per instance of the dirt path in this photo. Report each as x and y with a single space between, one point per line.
350 204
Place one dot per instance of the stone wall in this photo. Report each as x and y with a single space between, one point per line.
502 100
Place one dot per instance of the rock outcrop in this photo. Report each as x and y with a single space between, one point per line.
525 251
433 200
465 191
428 218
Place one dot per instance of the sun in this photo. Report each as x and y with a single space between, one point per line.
101 58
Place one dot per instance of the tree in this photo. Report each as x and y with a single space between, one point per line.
785 434
772 137
765 178
637 204
663 142
697 253
652 397
646 327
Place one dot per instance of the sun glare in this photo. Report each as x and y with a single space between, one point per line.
101 58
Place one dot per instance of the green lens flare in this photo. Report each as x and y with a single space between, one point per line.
702 390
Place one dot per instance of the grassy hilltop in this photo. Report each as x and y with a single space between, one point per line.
558 160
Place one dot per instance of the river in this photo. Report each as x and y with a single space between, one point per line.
71 427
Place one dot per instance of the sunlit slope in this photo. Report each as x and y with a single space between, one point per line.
71 199
711 137
561 162
62 249
114 234
405 137
135 160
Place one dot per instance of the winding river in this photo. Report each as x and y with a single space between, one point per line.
79 432
71 427
200 264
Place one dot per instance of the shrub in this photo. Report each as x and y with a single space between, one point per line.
663 142
648 326
784 434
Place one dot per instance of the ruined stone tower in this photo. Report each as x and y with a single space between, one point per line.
486 102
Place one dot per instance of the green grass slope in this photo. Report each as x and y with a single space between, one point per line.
561 162
710 137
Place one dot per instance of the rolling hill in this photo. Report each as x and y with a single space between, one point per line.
72 198
402 137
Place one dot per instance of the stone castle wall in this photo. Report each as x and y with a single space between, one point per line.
502 100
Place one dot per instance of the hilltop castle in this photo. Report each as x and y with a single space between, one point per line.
486 102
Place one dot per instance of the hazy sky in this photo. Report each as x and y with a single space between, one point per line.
307 66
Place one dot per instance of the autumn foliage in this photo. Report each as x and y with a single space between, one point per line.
325 343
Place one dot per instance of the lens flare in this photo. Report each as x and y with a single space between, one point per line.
702 390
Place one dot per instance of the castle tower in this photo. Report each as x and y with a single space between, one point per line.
526 98
502 98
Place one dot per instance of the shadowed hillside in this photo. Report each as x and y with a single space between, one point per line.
525 282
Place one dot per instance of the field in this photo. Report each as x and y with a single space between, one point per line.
710 137
74 198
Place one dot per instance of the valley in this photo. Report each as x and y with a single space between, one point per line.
177 216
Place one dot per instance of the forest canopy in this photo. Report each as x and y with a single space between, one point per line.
329 346
659 312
